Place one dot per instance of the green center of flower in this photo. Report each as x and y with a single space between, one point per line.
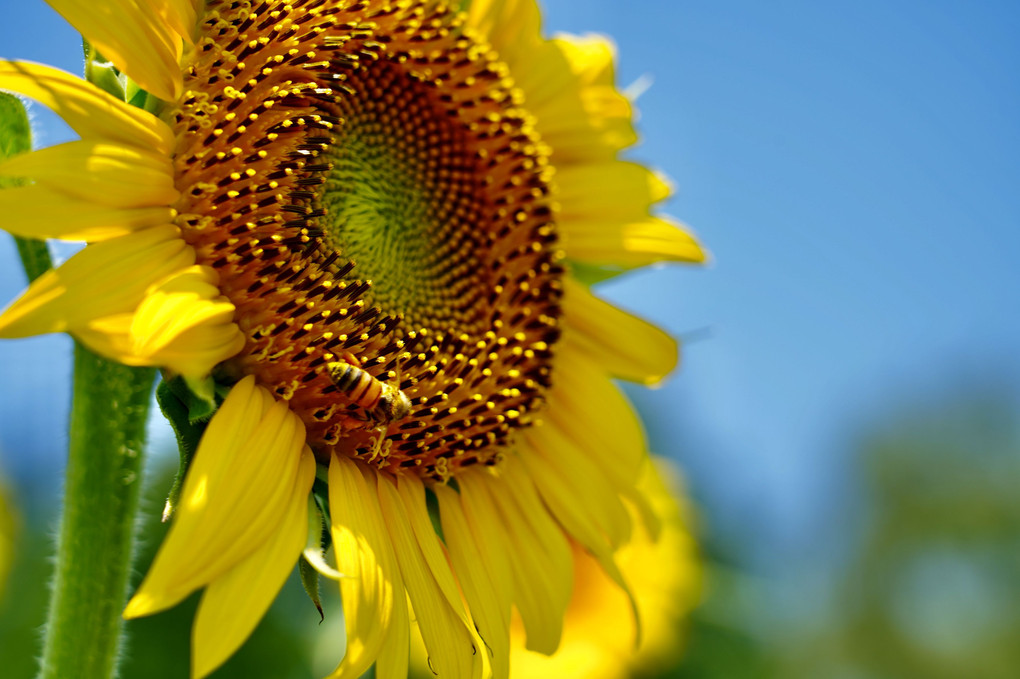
403 201
375 200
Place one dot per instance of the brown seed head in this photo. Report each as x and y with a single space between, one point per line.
365 180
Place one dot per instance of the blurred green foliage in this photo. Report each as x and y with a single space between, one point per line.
932 590
721 643
926 580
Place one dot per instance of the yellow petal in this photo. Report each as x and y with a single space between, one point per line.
665 569
180 15
41 212
598 638
570 89
185 315
443 627
628 347
105 278
574 487
489 532
183 324
233 500
568 82
611 188
538 553
89 111
593 412
395 652
511 26
234 603
488 601
608 120
108 174
605 216
580 498
412 494
630 243
136 39
592 58
373 589
643 509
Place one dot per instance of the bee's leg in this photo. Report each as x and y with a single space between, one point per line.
380 444
350 358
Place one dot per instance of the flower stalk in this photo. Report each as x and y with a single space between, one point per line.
96 543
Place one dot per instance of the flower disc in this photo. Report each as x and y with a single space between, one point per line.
375 200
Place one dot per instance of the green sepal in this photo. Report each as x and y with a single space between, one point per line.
310 581
139 98
16 138
134 94
15 133
201 398
316 546
200 395
102 73
320 489
432 505
106 76
590 274
319 521
188 413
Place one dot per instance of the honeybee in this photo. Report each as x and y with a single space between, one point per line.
384 402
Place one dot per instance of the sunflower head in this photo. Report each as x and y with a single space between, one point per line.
376 202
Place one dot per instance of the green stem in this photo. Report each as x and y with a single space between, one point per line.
96 543
35 256
15 139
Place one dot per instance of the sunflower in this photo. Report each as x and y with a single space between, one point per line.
373 221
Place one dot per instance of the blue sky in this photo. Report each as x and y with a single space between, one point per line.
853 167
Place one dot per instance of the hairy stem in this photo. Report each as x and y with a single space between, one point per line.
96 543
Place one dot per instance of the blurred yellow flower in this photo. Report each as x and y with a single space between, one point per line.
367 216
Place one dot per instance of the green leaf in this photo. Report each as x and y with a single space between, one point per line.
15 138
